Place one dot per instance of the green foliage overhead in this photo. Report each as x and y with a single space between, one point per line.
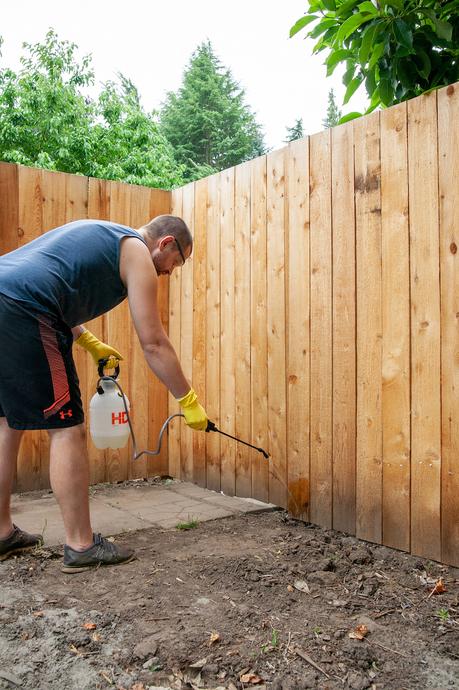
48 120
207 120
333 112
397 49
295 132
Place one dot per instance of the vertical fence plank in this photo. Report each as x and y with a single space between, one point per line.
160 203
213 330
321 372
259 336
175 299
186 318
227 344
297 331
98 209
118 332
139 372
33 464
199 321
9 210
277 397
367 185
344 387
425 326
242 327
396 328
448 143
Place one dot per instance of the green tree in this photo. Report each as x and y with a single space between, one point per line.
333 112
48 120
397 48
207 120
295 132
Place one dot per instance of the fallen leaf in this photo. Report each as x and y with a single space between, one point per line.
215 637
302 586
439 587
38 614
359 632
96 637
252 678
289 588
89 626
199 664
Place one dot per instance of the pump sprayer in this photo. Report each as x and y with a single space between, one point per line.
110 422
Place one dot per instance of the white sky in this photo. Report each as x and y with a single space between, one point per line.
151 43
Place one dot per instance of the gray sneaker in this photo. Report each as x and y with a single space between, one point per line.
102 552
18 542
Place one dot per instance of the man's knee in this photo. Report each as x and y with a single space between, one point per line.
75 434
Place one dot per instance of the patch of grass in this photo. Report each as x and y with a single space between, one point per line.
191 524
443 614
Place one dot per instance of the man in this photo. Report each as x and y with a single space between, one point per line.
48 289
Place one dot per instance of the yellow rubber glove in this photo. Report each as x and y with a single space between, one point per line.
98 350
195 415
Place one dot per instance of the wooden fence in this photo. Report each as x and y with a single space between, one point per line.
34 201
318 318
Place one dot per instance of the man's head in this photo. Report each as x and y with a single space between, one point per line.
170 242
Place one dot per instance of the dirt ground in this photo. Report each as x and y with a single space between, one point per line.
255 601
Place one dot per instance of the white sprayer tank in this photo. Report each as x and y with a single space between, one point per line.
108 420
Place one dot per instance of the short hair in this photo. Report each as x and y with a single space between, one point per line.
160 226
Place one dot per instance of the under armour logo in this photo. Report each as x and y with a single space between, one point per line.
63 414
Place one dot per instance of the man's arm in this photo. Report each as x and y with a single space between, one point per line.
139 276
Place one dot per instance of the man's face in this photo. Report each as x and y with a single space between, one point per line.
168 254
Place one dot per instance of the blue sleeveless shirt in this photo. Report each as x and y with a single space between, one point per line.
71 272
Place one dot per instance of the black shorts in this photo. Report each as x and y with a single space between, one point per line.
39 386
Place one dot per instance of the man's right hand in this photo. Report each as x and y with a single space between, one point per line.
195 415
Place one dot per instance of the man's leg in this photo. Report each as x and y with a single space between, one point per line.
69 475
9 447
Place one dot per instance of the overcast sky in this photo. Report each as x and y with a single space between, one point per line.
151 43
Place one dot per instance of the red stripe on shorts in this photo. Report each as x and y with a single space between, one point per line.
57 369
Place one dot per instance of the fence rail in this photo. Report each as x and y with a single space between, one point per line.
317 318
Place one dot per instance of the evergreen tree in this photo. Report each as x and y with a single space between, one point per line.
207 121
295 132
333 113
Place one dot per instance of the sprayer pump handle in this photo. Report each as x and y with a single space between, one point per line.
103 364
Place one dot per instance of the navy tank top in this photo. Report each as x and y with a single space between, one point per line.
71 272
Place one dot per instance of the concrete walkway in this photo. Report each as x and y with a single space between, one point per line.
135 505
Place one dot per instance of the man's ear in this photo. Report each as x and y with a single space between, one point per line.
164 241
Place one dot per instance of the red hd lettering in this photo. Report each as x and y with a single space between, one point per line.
119 418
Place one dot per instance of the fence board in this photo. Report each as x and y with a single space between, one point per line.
448 144
425 327
118 334
9 207
259 336
33 462
369 329
186 437
175 336
199 321
139 372
242 328
297 313
344 387
213 330
227 344
321 436
157 393
396 328
98 209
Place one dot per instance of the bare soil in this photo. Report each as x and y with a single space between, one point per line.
259 600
